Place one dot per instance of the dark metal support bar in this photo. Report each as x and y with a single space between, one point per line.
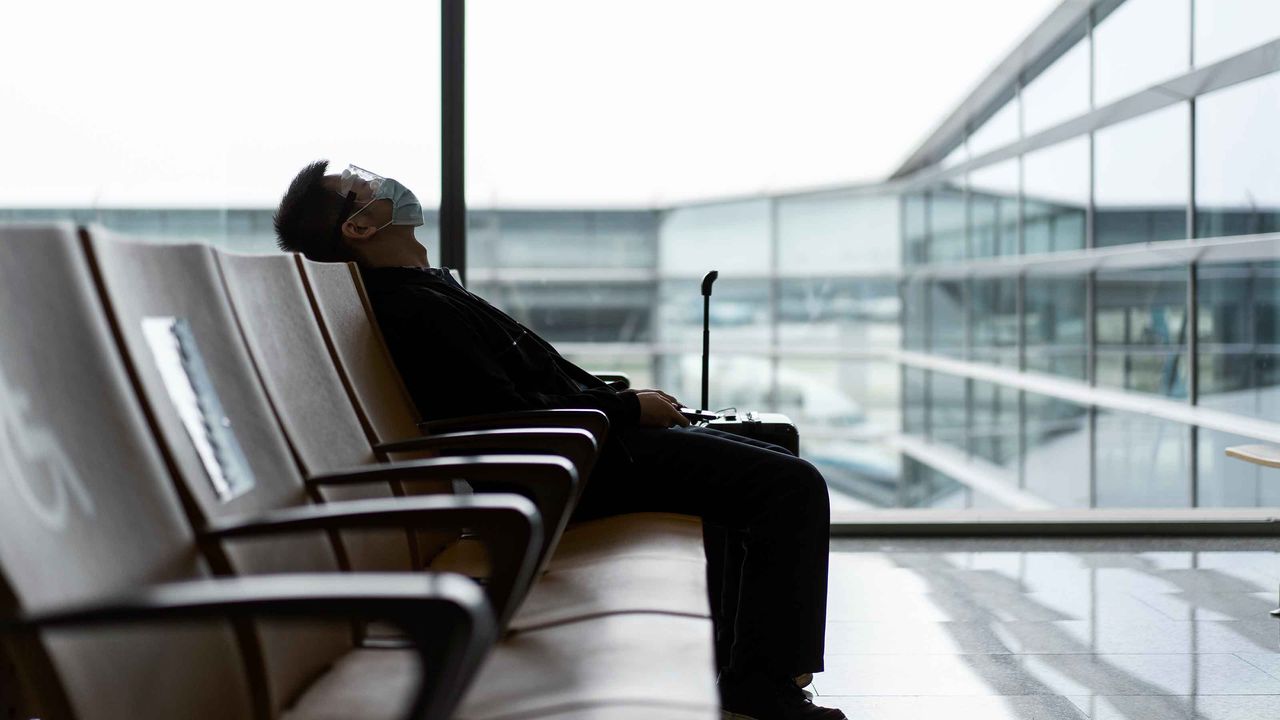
453 201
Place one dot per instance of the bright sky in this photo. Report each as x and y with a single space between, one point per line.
571 103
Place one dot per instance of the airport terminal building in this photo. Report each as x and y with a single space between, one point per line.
1036 368
1066 297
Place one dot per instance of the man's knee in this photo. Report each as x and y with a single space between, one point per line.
804 482
815 487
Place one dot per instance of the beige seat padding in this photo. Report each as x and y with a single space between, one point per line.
634 712
631 563
628 584
656 535
633 661
665 535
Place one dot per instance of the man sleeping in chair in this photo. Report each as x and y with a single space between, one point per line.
765 511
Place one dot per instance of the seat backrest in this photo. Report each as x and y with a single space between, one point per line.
312 404
88 507
347 320
178 337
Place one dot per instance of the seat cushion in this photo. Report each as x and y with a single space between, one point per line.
628 584
664 535
630 661
658 535
634 712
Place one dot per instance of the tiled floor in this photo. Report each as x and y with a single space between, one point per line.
1042 630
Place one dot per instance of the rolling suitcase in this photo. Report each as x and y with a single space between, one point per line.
774 428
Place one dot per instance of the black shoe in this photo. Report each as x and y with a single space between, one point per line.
757 697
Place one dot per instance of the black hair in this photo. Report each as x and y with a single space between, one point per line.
307 216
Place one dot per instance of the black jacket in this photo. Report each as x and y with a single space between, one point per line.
459 355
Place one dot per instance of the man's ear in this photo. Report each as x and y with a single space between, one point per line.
356 232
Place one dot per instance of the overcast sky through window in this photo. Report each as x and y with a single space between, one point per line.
571 103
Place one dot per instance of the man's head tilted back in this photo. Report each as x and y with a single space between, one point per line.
353 216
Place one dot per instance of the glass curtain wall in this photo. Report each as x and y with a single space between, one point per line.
1070 187
836 307
973 306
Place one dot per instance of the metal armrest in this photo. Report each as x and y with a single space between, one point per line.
549 481
619 380
507 525
593 421
444 615
574 444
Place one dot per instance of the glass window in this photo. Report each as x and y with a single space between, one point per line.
958 154
841 409
1142 330
839 313
574 311
997 131
1056 464
1054 323
1239 334
561 239
1237 148
994 318
915 228
1059 93
1142 178
1227 482
946 317
1056 187
1138 45
177 135
729 237
993 209
948 414
833 233
914 421
946 224
1142 461
915 298
572 276
740 315
736 380
924 487
1227 27
993 432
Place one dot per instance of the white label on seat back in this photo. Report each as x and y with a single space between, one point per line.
32 458
173 347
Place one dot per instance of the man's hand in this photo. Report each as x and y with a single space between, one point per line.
658 409
667 396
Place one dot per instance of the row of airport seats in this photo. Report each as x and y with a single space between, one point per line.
217 501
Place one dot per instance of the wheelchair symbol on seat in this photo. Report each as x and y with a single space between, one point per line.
32 458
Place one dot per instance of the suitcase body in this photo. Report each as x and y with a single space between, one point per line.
774 428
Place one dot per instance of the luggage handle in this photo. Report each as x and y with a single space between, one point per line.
707 282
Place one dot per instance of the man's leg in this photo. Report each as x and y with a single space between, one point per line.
776 502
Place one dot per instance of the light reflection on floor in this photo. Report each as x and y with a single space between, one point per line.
1041 630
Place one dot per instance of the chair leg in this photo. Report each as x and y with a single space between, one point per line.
1276 612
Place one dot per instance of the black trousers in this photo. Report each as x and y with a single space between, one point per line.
766 519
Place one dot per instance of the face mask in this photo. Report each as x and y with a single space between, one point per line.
405 208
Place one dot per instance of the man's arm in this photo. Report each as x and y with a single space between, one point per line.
450 370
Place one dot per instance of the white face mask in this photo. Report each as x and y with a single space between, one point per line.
405 208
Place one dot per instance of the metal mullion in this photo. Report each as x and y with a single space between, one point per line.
1193 282
453 204
1193 372
655 358
1248 65
1020 304
775 297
